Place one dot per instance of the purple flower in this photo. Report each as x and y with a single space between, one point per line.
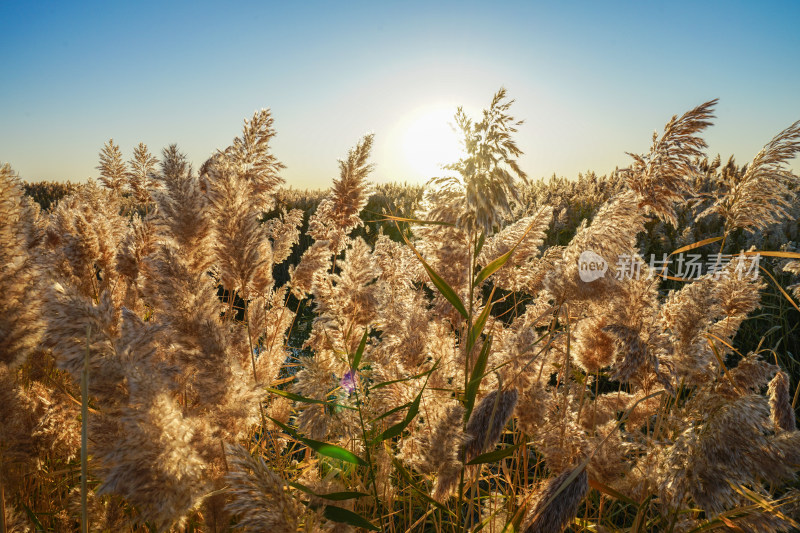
348 381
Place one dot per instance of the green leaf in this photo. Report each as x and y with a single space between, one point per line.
393 431
440 284
335 452
396 219
323 448
600 487
512 526
409 378
480 243
405 405
445 289
360 351
477 329
488 519
398 428
496 455
303 399
413 409
476 377
32 517
641 513
345 516
390 412
407 478
767 505
336 496
492 267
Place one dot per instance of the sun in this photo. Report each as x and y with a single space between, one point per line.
429 141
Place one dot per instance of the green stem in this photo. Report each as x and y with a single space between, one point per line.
255 377
468 357
468 349
370 464
250 341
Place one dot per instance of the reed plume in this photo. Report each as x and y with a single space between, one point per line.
530 232
488 172
13 520
141 179
252 160
106 513
260 500
154 464
112 168
488 419
729 442
780 403
762 195
350 191
664 176
335 217
557 503
21 323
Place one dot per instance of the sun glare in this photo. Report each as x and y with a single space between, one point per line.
429 141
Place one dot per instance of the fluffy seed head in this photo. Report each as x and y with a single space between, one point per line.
780 402
259 498
558 502
488 420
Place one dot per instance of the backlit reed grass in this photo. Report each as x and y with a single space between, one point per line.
457 373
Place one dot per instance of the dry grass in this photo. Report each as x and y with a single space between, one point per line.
461 375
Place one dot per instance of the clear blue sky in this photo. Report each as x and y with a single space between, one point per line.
592 79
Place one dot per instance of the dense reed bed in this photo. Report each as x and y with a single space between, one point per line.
210 351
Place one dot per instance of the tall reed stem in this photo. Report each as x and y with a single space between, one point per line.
473 257
85 435
3 527
368 455
255 377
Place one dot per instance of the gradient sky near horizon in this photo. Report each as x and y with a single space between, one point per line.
591 79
